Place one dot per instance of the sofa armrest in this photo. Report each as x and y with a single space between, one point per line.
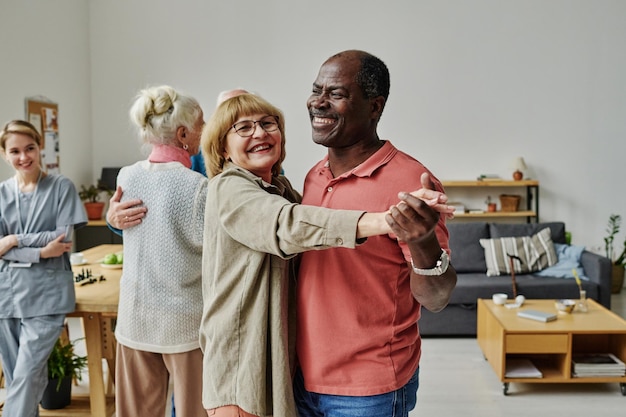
598 269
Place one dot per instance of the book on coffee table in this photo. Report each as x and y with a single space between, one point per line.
597 364
537 315
521 368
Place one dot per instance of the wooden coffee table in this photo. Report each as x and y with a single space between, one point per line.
503 336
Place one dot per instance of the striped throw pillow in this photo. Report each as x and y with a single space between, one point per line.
534 252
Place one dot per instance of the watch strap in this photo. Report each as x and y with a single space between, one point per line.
442 266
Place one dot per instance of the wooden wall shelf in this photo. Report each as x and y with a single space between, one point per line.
490 183
532 197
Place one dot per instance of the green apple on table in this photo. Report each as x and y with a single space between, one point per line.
113 258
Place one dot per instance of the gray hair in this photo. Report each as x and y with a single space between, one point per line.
159 111
226 94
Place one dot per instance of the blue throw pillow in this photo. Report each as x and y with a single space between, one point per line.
568 258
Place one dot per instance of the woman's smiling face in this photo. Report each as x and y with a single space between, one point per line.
22 153
258 152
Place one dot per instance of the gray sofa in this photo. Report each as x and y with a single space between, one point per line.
459 317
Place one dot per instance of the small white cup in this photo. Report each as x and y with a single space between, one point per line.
77 258
499 298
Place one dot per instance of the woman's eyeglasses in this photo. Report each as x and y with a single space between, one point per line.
246 128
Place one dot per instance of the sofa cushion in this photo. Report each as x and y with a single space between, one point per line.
533 286
557 230
533 253
471 287
466 253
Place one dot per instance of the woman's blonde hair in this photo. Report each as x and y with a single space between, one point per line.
213 141
21 127
159 111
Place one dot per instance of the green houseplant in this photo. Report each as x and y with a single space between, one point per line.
91 197
63 367
617 258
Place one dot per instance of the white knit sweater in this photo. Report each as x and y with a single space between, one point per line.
160 305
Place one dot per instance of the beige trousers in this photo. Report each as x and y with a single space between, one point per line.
142 380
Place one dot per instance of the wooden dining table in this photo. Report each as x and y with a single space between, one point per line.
96 305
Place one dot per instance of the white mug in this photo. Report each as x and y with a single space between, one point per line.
499 298
77 258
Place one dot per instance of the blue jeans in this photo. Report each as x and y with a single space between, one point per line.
393 404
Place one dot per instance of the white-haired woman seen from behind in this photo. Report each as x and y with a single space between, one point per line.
160 303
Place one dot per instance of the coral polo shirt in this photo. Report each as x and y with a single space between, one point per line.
357 328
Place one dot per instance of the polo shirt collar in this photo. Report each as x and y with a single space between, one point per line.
371 164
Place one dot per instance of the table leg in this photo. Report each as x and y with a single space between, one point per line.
93 340
109 346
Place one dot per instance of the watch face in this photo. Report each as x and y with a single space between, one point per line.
445 261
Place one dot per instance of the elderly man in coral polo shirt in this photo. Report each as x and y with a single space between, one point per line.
358 340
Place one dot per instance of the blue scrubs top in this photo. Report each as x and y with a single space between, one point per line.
47 285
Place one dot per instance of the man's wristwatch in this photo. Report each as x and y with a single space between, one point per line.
439 269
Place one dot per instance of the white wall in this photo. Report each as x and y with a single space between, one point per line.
474 82
44 51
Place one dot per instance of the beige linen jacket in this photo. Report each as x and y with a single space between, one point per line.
247 332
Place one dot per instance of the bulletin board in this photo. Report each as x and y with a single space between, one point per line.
44 115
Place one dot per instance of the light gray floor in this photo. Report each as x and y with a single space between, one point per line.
456 381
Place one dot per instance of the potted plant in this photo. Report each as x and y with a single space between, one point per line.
618 258
63 367
91 197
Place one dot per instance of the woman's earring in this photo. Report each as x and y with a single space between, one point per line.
185 146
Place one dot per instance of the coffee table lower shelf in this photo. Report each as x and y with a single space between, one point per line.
560 380
503 337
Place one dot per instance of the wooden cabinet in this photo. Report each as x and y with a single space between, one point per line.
529 207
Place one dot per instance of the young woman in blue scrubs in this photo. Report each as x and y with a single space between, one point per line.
37 211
